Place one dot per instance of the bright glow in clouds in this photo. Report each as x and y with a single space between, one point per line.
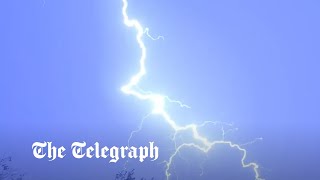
159 106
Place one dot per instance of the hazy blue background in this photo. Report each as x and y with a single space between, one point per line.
253 63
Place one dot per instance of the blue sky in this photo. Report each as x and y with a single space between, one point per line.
253 63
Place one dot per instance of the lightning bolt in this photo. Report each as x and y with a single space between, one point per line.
159 101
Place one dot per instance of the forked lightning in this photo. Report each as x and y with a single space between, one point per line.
159 101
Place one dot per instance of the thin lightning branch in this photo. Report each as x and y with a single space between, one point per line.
146 31
251 142
137 130
132 134
182 105
177 102
225 132
159 103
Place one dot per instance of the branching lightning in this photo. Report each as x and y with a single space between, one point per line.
159 101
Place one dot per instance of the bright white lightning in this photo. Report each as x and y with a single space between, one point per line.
159 101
